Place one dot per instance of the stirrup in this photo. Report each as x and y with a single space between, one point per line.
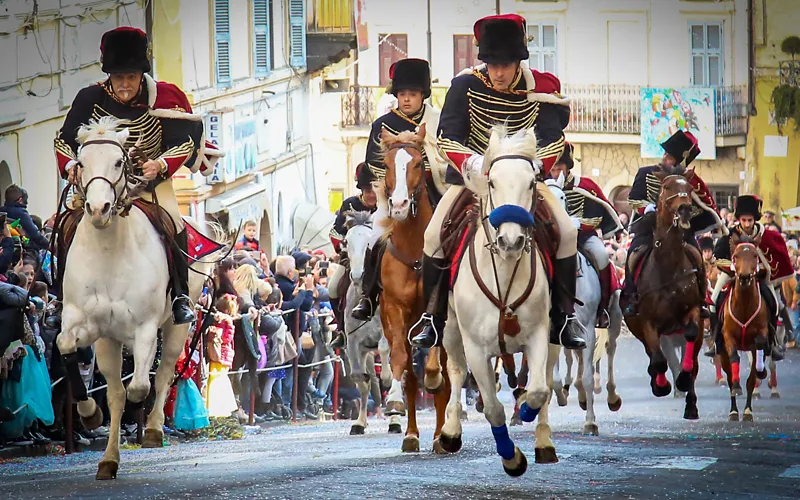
425 317
581 336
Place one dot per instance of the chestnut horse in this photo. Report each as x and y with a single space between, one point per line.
745 322
401 299
670 298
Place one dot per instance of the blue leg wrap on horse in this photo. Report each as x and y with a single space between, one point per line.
505 447
526 413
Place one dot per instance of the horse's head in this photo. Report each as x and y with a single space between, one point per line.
508 180
405 175
359 233
745 260
675 200
556 186
104 164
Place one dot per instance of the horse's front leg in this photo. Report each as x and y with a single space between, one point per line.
109 361
725 362
362 382
433 380
74 334
773 379
391 317
450 438
579 383
144 353
658 362
545 448
411 441
514 461
558 384
692 335
590 427
173 344
692 352
568 379
751 385
440 401
614 400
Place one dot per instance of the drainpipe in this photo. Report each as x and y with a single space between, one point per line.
148 28
430 57
497 7
751 58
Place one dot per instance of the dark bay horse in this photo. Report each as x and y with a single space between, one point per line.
401 299
745 322
670 299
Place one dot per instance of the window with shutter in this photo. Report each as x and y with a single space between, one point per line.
297 33
706 58
261 41
222 42
392 49
465 53
542 47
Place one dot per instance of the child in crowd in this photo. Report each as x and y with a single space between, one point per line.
220 399
248 240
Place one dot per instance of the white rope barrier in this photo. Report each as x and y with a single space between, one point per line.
337 359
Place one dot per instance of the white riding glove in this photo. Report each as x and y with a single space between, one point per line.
649 208
576 222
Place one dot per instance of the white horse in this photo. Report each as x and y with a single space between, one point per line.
506 180
587 290
363 339
115 291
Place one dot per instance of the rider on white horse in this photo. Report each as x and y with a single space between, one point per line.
502 91
774 256
163 131
590 210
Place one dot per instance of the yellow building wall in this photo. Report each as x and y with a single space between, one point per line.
775 179
167 41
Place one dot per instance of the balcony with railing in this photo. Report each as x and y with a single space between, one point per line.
330 32
595 109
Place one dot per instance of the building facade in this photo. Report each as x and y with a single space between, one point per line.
48 52
620 61
773 169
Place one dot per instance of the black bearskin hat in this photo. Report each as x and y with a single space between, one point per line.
502 39
706 243
411 74
748 204
567 156
682 146
125 49
364 176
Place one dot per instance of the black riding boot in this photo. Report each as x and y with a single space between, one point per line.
717 344
370 289
182 311
339 339
436 294
565 329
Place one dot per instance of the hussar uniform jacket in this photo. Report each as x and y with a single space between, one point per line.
339 229
586 202
772 252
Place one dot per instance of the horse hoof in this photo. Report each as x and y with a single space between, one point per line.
582 404
591 430
435 385
410 444
690 414
616 405
511 378
450 444
598 389
733 417
93 422
438 448
464 416
153 438
561 397
358 430
659 391
107 469
520 468
747 417
546 455
774 395
515 419
393 429
395 408
679 394
566 389
683 382
761 375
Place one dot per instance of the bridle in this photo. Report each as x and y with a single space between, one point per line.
675 216
126 177
528 230
414 203
739 277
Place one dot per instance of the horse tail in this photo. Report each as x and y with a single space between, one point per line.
601 342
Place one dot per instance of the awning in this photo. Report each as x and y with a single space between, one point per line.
241 204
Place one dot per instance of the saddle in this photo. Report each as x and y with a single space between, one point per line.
66 225
461 224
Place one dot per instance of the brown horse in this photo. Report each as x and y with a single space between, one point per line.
401 299
670 298
745 322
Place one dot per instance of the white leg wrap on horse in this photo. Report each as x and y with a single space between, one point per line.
597 249
433 233
760 360
569 235
395 392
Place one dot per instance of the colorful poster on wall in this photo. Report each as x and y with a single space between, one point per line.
362 33
667 110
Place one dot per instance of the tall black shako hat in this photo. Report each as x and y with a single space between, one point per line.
502 39
125 49
410 74
682 146
748 204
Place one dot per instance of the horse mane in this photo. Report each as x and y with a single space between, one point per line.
354 218
106 125
523 143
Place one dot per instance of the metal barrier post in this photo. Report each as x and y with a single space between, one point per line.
69 443
296 361
252 419
140 424
336 386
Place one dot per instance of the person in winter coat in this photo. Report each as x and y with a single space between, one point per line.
17 209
